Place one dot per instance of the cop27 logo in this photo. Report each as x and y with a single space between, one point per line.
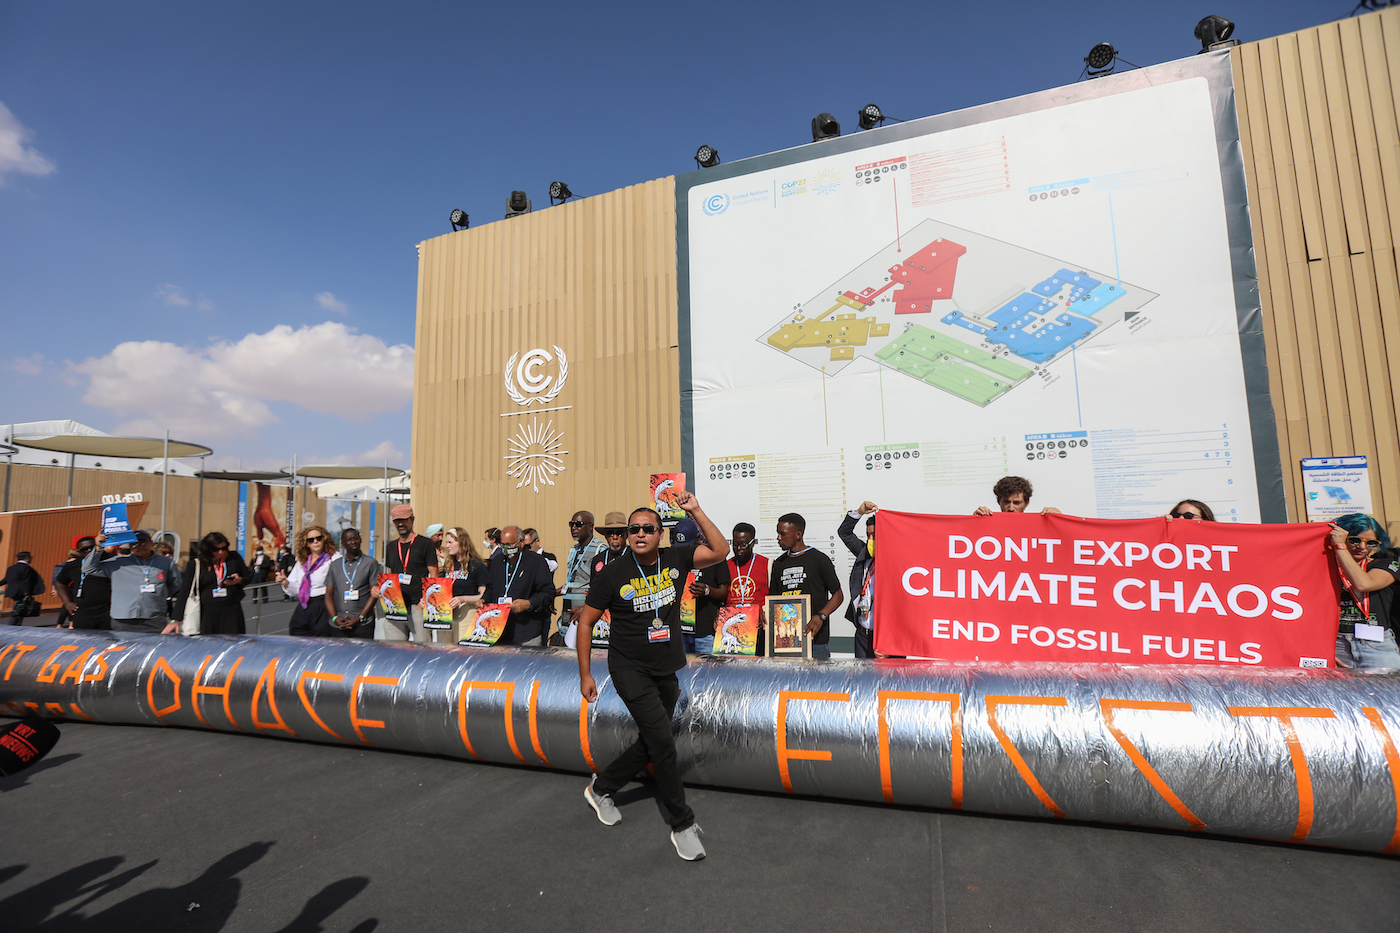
534 385
715 204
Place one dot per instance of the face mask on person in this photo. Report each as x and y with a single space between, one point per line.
510 549
870 547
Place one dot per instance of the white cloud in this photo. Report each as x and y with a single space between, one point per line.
328 302
28 365
230 388
15 155
385 452
175 295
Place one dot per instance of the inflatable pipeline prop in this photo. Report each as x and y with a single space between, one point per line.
1289 755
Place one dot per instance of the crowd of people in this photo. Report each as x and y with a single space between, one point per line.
616 574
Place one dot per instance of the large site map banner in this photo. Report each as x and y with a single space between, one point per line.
1059 286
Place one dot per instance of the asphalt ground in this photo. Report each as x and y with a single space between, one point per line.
128 827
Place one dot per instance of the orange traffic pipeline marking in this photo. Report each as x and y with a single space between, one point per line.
534 725
583 734
75 670
268 681
19 653
1015 756
509 687
1392 760
162 665
784 753
1110 707
48 672
301 692
197 690
1285 716
954 702
101 660
355 719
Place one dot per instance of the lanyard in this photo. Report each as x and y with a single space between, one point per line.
747 577
656 610
510 576
573 564
403 566
345 569
1365 601
219 573
145 569
865 584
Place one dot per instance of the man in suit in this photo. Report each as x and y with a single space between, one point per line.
522 578
860 610
21 582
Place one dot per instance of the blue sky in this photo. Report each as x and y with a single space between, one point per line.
208 211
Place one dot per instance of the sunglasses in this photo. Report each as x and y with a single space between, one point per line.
1354 541
574 524
311 540
85 548
1176 514
647 529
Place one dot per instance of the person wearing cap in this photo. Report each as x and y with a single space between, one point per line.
142 584
413 558
519 576
706 593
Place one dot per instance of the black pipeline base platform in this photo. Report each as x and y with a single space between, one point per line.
127 828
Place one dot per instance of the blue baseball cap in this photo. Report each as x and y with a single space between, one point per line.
685 532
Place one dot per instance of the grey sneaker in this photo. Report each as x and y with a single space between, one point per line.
687 843
603 805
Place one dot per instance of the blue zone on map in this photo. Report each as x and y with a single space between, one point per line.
1087 296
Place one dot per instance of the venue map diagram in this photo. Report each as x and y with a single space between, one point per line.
956 310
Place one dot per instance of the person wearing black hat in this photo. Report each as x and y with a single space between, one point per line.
142 584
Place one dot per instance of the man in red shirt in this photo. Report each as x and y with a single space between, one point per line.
748 574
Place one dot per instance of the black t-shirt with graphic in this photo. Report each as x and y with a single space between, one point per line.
808 573
1379 605
635 643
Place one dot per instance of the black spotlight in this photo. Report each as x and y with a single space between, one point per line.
460 220
1101 61
517 204
824 126
707 157
1214 33
871 117
558 191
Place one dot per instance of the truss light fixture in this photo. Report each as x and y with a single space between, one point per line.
517 204
558 191
707 157
824 126
1214 33
460 220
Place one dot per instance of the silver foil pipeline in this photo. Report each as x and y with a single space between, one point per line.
1297 756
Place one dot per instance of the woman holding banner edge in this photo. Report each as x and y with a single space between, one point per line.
1369 569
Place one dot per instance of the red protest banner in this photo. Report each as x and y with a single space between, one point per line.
1031 587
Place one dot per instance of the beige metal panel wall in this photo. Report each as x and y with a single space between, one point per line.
595 278
1318 123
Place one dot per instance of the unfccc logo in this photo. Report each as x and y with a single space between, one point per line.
535 386
715 204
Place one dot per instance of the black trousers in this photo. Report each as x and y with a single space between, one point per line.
865 642
310 619
652 701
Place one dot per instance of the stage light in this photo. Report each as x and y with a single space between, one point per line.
707 157
459 219
870 117
558 191
1101 56
1214 33
517 204
824 126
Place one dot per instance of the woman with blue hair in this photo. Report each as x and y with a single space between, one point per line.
1369 569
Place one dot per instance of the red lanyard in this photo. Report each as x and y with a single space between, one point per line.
865 584
403 567
1365 601
219 572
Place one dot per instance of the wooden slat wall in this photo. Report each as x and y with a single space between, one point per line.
1318 123
595 277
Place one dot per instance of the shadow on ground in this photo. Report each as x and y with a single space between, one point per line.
203 905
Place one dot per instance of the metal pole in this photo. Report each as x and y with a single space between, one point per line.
386 510
72 458
199 532
164 472
9 463
293 493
